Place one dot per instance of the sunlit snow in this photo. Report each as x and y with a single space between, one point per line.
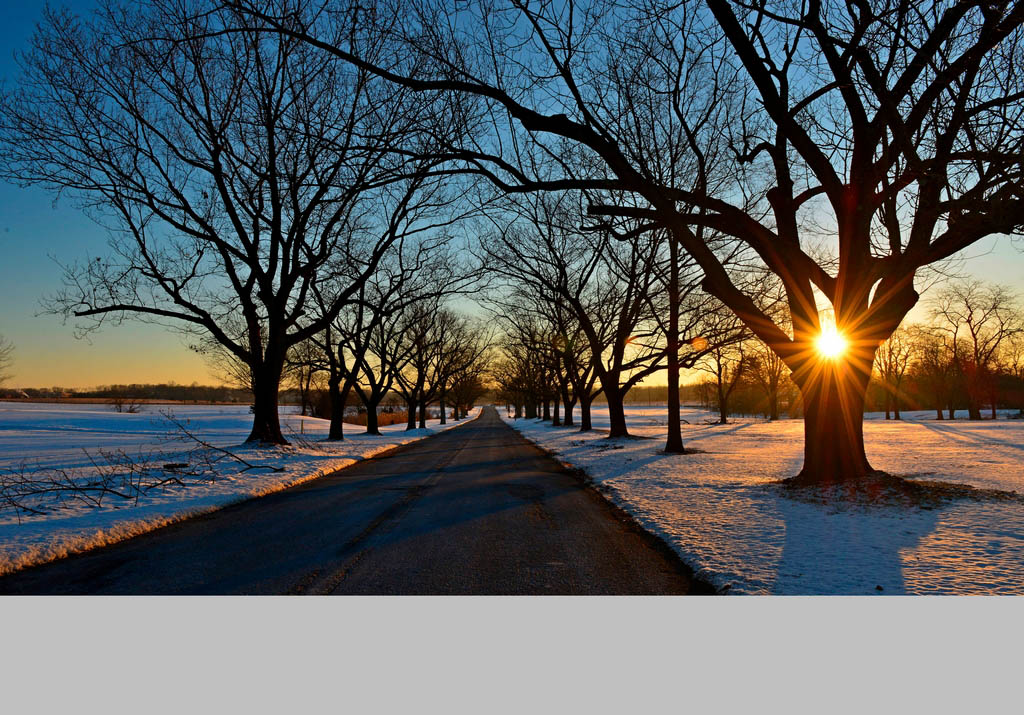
70 436
716 509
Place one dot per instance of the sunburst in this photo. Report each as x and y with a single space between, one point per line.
831 344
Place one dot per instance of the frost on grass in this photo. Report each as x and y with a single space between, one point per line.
77 476
723 510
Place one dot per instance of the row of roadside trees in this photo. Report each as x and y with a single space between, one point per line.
260 196
842 147
969 357
254 157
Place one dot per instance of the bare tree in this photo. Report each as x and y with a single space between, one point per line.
769 372
233 167
423 262
6 359
727 362
611 288
933 367
901 124
304 364
976 320
891 361
461 363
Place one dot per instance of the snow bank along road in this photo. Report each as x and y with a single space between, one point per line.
718 508
474 510
88 441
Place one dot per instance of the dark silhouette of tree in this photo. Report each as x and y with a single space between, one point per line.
610 286
233 167
422 262
727 362
6 359
976 320
892 360
933 368
900 124
304 365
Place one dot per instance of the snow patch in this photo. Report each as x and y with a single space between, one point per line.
69 436
719 510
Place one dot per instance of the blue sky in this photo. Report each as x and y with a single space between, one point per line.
32 230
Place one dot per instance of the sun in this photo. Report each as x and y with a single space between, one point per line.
831 343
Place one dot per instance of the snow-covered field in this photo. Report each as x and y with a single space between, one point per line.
35 438
716 509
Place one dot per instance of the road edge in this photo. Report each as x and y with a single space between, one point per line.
655 540
175 520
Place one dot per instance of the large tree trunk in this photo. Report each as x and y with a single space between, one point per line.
556 421
585 424
372 422
723 404
443 420
616 414
266 424
833 397
547 409
423 414
337 429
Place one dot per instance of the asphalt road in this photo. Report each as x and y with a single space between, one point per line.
474 510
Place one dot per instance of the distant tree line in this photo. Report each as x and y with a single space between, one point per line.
172 392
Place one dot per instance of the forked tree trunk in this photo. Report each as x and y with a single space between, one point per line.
266 424
569 404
